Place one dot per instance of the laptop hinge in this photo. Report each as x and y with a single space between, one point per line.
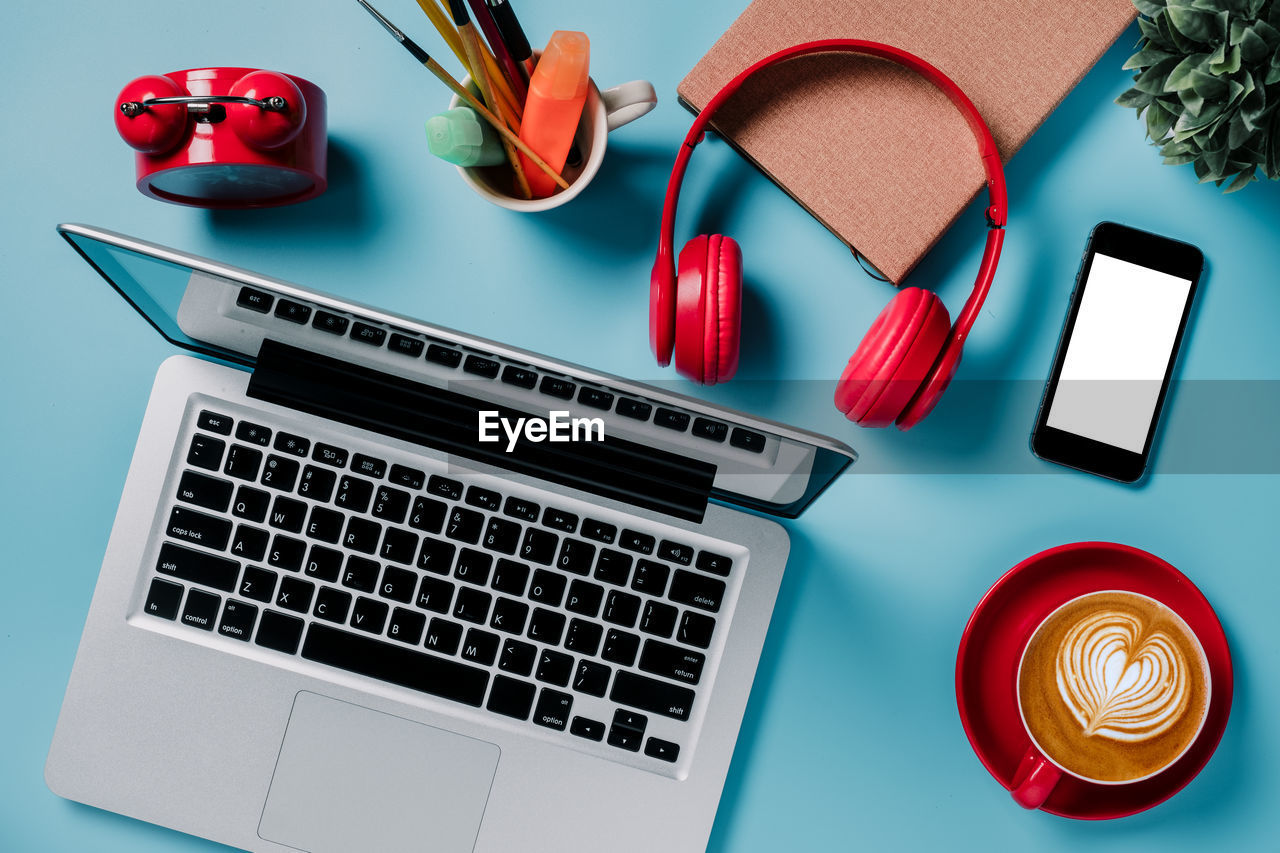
448 421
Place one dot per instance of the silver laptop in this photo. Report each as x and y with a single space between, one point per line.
375 585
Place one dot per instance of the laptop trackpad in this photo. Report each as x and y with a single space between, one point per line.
349 778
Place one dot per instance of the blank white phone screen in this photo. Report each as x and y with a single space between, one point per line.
1119 351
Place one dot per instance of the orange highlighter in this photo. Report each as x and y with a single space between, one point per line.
557 91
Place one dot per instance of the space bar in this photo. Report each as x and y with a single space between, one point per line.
396 664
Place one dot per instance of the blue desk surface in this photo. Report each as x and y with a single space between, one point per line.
852 738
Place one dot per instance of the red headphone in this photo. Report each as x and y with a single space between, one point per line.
910 354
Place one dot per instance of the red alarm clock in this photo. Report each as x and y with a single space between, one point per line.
225 137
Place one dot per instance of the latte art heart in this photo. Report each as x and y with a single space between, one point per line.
1119 681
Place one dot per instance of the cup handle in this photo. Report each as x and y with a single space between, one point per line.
626 102
1035 780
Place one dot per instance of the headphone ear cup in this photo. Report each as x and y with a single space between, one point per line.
157 128
708 309
894 359
266 129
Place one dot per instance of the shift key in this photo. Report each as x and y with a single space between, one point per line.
197 567
199 528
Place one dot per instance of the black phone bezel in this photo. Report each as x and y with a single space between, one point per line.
1164 254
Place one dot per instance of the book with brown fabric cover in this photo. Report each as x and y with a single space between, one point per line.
873 151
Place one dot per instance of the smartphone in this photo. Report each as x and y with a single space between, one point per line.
1119 345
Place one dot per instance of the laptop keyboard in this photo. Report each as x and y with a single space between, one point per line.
594 629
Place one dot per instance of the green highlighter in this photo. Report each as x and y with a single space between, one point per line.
460 137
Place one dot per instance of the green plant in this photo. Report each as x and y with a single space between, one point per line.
1208 81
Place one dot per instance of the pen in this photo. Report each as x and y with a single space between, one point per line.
511 34
514 72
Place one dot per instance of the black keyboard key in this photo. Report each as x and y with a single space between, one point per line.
360 574
330 455
625 739
634 541
547 587
539 546
584 598
332 605
367 334
658 618
481 366
585 728
747 440
280 473
317 483
635 409
397 585
696 590
368 466
288 514
286 553
613 567
671 419
676 552
328 322
396 664
325 524
323 564
522 509
255 300
406 626
714 563
362 535
434 594
583 637
558 519
444 355
369 615
214 422
591 678
509 615
405 345
294 445
650 694
250 543
295 594
595 398
519 377
554 667
622 608
672 661
201 609
480 646
695 629
443 487
710 430
516 657
398 545
546 626
561 389
201 490
258 584
510 697
464 525
510 577
192 526
237 620
243 462
620 647
576 556
436 555
473 567
354 494
663 750
294 312
443 636
428 514
163 599
650 577
483 498
472 605
553 709
279 632
251 503
501 535
253 433
599 531
206 452
410 478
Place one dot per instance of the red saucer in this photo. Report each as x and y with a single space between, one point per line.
987 665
